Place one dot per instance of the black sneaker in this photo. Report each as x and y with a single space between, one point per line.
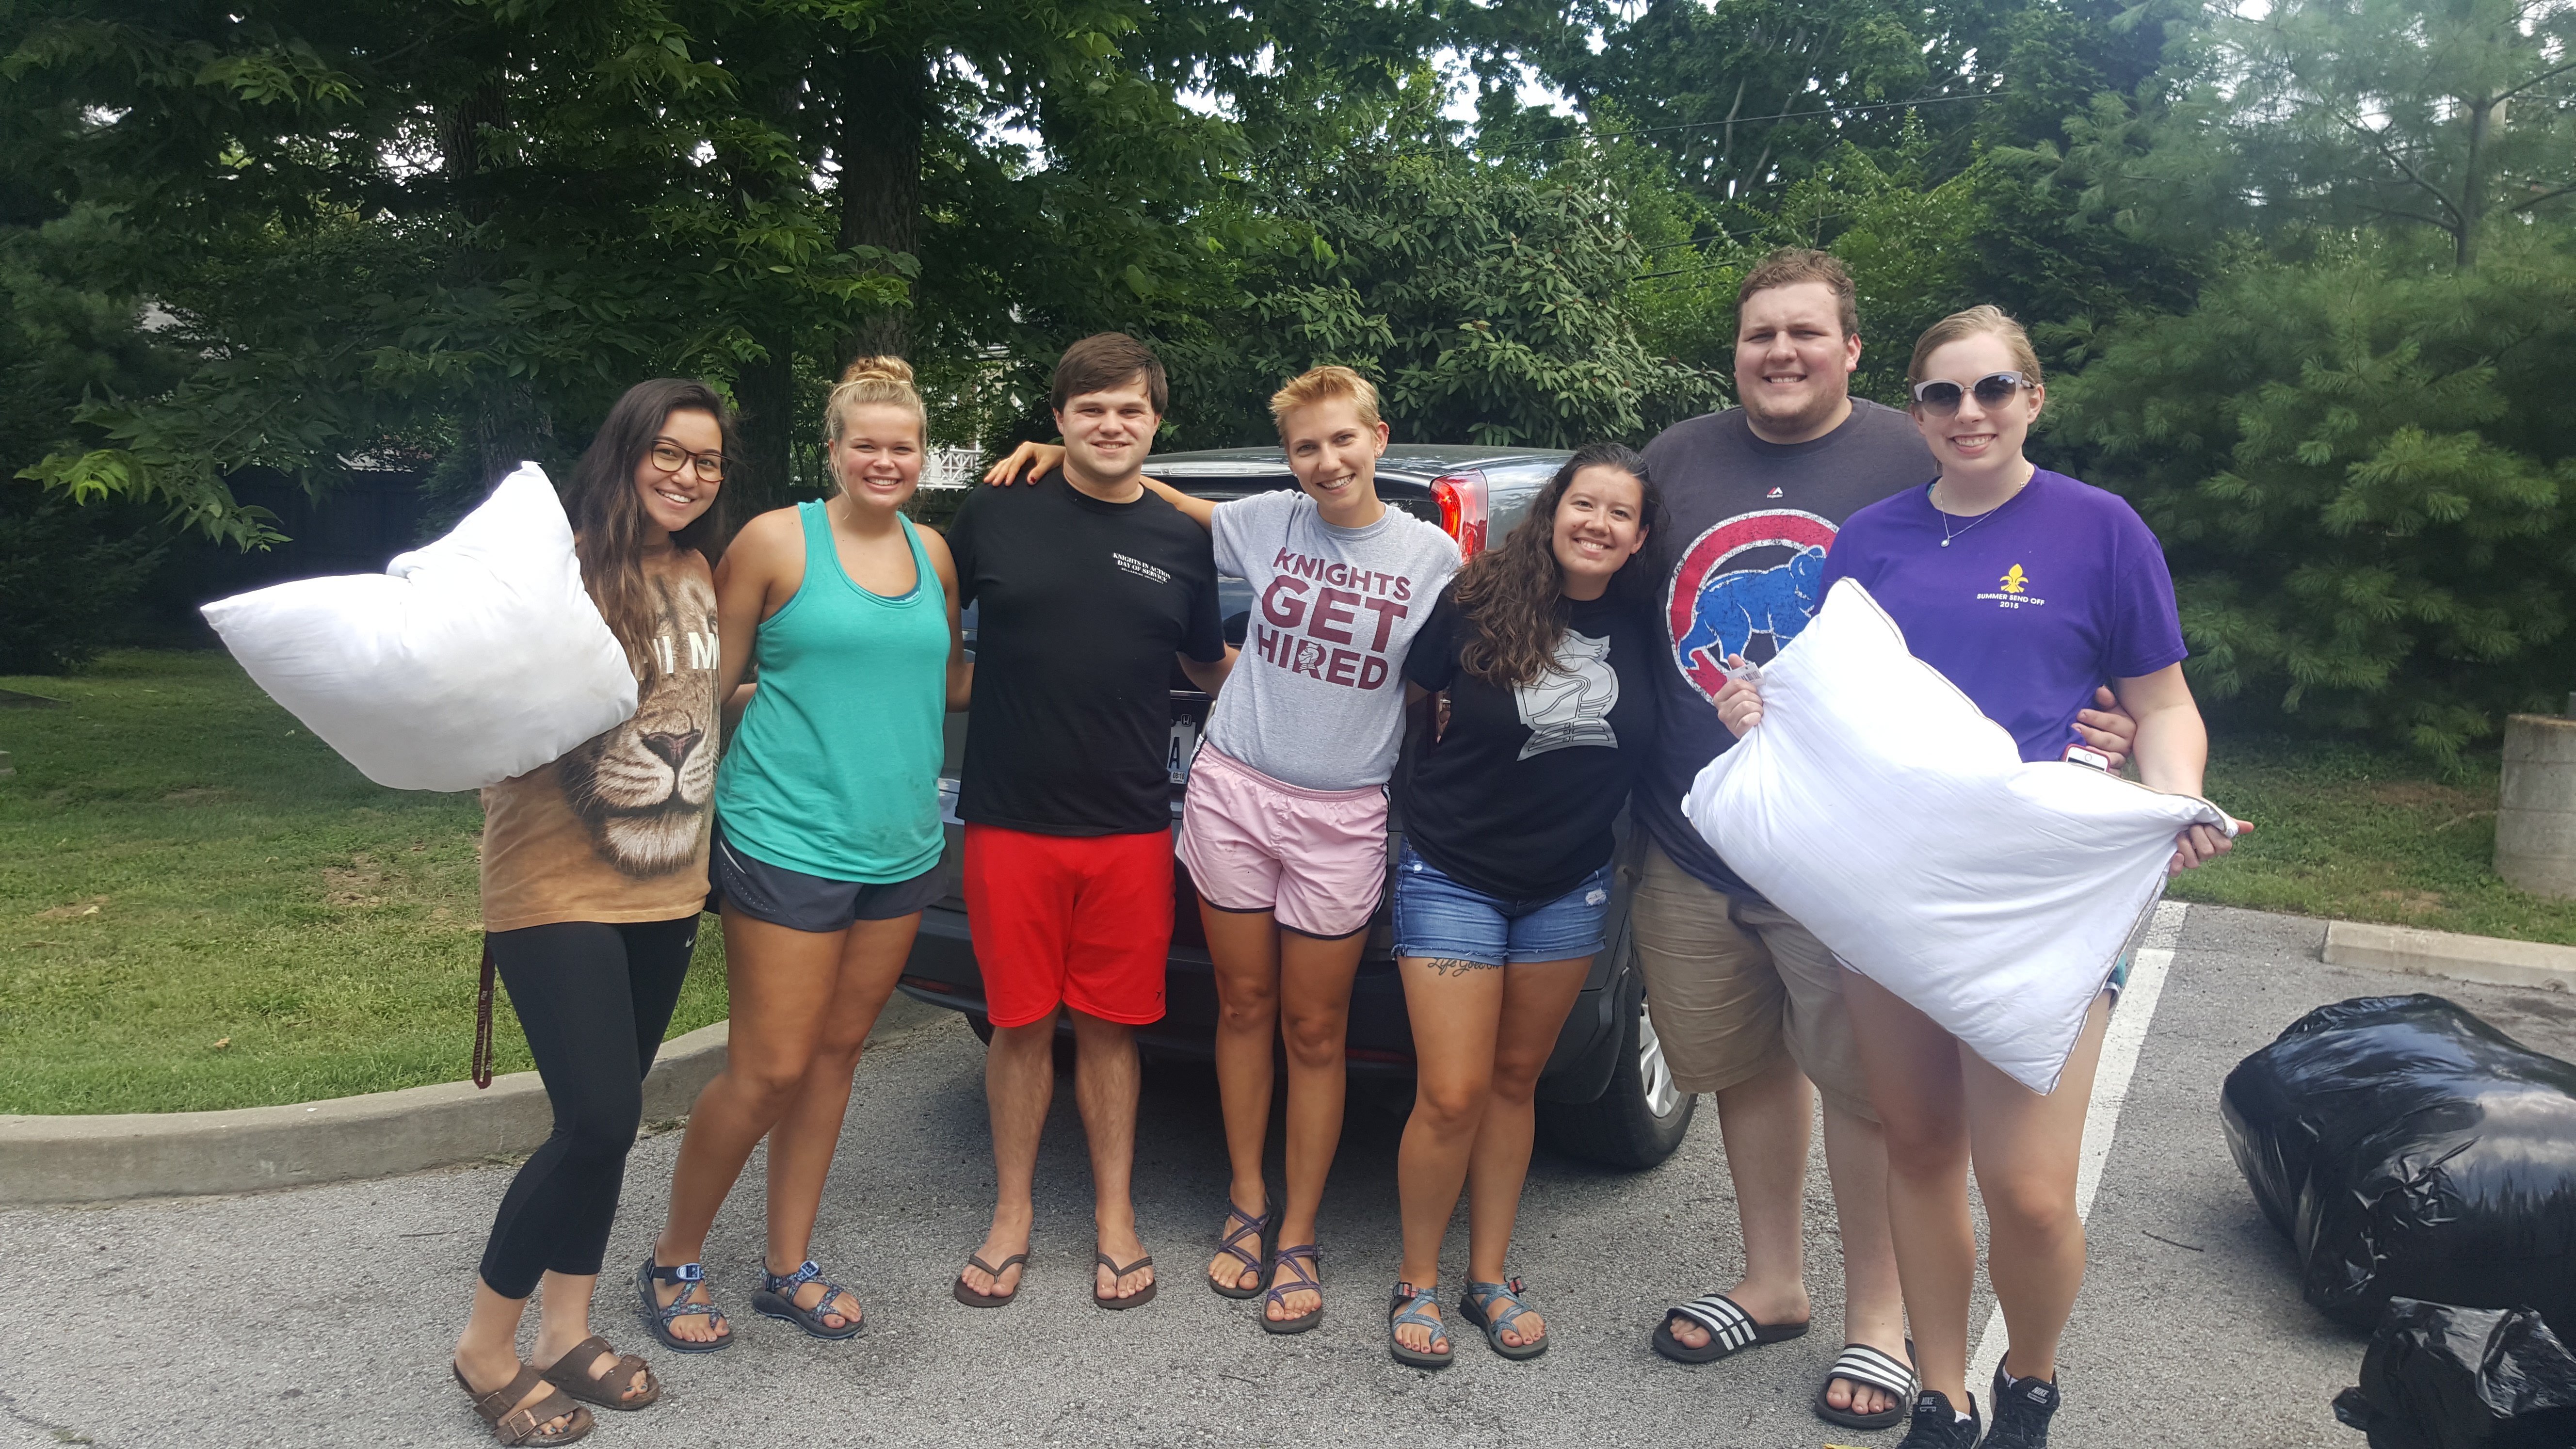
1937 1426
2022 1411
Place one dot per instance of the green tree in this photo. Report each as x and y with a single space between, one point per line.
2360 472
2457 116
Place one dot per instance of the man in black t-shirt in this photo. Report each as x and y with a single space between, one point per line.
1087 589
1747 1002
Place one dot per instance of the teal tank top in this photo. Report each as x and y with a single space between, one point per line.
834 770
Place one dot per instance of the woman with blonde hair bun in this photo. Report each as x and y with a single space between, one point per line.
827 840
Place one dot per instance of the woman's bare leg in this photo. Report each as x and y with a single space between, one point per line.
1456 1007
1913 1070
1315 1017
1536 997
1244 945
2026 1149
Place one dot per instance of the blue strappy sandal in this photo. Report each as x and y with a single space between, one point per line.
1475 1306
1406 1307
777 1299
1290 1276
657 1315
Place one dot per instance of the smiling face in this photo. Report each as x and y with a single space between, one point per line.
1599 525
1977 442
878 458
1793 364
1334 454
1108 433
673 500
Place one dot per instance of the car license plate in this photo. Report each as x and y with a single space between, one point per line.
1185 747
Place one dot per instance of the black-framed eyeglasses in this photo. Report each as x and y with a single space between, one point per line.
1940 395
670 457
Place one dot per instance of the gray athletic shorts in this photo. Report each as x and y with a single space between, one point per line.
802 902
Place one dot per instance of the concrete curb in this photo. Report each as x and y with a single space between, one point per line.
181 1154
2485 959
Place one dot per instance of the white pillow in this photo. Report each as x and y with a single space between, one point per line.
466 662
1878 807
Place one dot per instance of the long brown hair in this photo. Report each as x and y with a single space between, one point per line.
608 519
1515 594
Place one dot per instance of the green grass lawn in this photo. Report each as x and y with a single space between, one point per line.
202 906
2366 836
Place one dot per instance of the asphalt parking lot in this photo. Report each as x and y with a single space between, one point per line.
324 1315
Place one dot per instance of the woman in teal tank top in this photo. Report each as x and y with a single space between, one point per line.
827 841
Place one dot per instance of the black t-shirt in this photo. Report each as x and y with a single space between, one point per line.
1517 797
1740 550
1083 605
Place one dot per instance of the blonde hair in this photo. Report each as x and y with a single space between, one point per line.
1324 384
884 380
1984 320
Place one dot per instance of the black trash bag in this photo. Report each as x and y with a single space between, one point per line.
2438 1377
2409 1149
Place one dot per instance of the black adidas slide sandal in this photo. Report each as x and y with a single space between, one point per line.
1730 1330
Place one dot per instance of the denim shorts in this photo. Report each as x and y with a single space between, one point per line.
1436 918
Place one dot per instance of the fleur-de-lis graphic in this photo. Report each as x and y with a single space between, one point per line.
2015 580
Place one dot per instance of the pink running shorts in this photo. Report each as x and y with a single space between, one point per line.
1314 858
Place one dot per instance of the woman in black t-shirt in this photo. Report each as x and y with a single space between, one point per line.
1543 648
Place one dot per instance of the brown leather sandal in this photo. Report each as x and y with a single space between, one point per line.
515 1426
603 1389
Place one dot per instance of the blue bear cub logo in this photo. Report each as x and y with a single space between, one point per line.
1734 607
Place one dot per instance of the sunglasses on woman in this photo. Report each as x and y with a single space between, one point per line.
1939 395
669 456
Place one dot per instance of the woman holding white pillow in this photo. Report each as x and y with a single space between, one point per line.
594 876
2027 590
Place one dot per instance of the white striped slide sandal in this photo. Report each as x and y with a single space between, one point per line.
1862 1364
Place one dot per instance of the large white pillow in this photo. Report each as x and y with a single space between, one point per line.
1876 805
465 662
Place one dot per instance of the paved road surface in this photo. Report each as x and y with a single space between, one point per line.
323 1315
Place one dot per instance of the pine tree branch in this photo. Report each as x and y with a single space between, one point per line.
2380 142
2555 70
2544 196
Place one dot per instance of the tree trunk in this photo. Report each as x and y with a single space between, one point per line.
2473 185
764 395
885 108
503 423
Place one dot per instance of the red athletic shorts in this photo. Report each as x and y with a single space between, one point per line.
1080 920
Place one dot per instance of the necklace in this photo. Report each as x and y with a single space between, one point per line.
1947 535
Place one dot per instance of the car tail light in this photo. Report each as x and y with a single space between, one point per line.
1461 497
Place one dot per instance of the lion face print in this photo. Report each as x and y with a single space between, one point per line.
642 789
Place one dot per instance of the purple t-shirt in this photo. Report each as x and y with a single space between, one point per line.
2059 591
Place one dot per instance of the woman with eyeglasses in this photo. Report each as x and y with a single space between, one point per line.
827 842
594 875
2027 590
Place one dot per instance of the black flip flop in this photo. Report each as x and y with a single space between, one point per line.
1730 1330
1137 1299
973 1299
1861 1364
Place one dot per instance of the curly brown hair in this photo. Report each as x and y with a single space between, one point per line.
1515 594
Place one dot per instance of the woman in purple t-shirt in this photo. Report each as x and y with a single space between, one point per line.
2027 590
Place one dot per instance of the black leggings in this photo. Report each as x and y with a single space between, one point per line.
594 1000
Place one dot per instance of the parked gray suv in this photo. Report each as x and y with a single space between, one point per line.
1606 1095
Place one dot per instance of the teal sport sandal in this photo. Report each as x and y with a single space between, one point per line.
1407 1307
1477 1306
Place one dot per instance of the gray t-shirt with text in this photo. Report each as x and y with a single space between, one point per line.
1317 698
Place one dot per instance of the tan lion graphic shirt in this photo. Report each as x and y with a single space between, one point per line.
616 830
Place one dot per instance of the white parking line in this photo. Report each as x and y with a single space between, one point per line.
2120 1044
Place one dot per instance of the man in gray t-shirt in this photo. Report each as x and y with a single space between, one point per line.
1317 697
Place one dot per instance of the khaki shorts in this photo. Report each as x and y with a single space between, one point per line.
1732 983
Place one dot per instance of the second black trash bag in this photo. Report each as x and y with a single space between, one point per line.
2409 1149
2438 1377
